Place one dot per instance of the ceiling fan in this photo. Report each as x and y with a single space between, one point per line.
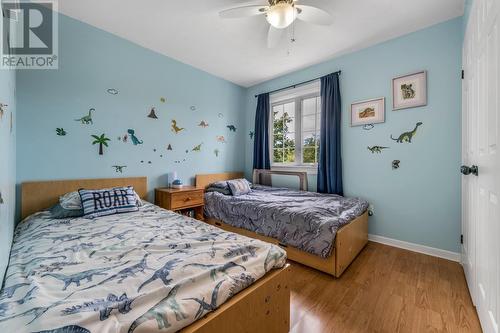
280 14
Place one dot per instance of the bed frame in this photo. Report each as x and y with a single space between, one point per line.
349 241
264 306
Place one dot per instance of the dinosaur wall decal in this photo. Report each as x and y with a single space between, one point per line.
232 128
119 168
407 136
376 149
175 128
86 120
134 139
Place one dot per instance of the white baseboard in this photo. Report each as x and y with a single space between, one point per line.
431 251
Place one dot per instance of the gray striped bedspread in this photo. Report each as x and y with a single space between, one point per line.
306 220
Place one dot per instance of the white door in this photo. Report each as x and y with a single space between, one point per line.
481 184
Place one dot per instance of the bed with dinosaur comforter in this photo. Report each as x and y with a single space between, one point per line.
146 271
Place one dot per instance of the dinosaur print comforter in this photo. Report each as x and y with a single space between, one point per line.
146 271
306 220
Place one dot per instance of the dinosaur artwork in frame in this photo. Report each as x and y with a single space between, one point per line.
409 91
371 111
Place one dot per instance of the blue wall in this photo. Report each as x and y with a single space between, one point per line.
7 165
420 202
90 62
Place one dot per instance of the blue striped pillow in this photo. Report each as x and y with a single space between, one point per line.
108 201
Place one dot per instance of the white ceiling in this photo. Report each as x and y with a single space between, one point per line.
192 32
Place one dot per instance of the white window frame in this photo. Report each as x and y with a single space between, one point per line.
296 95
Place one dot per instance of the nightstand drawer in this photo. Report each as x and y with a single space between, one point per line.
183 199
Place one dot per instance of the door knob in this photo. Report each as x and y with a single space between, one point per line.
465 170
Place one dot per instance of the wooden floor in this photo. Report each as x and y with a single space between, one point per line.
385 290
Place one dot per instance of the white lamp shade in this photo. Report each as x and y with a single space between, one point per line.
281 15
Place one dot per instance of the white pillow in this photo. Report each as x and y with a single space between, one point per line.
71 200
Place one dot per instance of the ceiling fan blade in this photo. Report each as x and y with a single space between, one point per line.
314 15
274 36
245 11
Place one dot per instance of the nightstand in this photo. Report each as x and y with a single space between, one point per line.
181 199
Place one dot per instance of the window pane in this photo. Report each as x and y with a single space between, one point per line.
311 139
309 106
278 155
278 141
277 111
308 123
309 155
289 140
289 124
289 156
289 108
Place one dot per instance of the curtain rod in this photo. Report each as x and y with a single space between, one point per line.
300 84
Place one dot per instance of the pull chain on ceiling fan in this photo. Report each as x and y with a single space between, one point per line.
280 14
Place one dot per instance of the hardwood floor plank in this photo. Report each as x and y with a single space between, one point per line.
384 290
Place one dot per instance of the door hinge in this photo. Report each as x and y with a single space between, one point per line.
463 74
461 239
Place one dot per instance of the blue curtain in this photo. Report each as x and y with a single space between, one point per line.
330 159
261 135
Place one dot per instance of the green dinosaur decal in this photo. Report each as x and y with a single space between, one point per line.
87 119
407 136
376 149
60 131
119 168
101 141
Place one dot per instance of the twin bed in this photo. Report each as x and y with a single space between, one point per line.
144 271
153 270
325 232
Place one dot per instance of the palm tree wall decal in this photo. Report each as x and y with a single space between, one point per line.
102 141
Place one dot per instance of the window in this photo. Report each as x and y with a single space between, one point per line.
295 115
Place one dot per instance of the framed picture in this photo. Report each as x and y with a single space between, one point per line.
409 91
371 111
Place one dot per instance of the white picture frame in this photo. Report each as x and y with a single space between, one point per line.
409 91
371 111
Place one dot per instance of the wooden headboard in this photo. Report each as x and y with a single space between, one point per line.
37 196
203 181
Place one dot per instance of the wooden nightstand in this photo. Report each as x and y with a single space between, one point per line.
182 199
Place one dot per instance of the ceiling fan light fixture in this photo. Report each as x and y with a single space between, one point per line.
281 14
